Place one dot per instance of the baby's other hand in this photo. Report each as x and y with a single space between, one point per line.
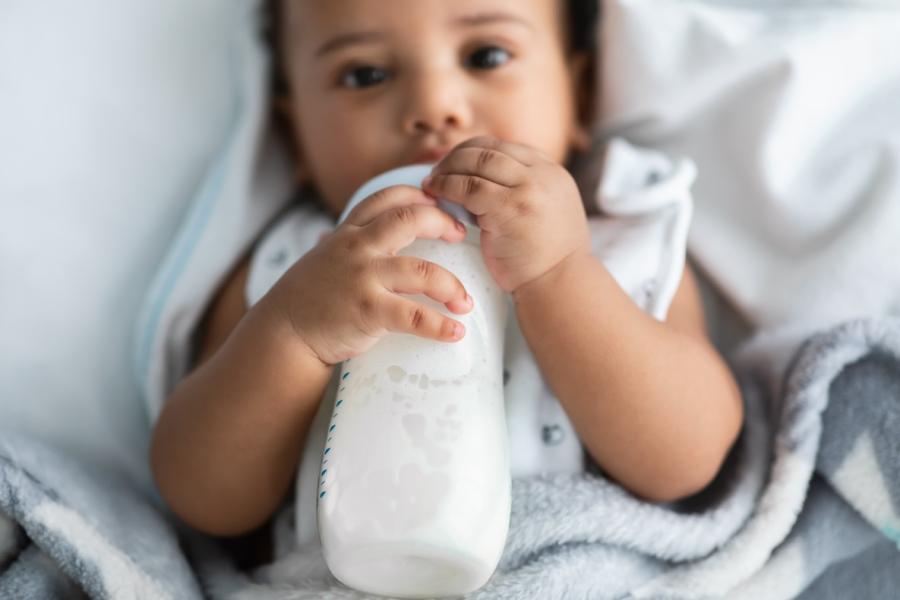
528 207
344 294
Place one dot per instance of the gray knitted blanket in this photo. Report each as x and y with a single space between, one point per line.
807 505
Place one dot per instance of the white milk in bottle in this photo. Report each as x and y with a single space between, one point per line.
414 487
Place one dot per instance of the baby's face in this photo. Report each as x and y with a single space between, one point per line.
380 84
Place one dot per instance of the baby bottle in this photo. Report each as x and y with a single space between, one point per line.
414 492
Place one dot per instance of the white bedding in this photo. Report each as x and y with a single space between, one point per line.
789 109
112 116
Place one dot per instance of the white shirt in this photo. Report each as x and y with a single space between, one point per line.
645 204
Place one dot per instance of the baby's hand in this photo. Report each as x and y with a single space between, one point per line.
343 295
528 207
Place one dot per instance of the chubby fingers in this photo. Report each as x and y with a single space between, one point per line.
414 275
403 315
480 173
526 155
399 226
488 163
386 199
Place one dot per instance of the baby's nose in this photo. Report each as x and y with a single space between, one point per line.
435 104
424 124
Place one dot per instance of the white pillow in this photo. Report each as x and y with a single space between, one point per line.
112 115
790 110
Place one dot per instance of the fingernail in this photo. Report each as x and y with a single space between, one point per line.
469 300
460 226
458 330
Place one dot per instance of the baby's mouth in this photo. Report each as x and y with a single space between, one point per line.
430 155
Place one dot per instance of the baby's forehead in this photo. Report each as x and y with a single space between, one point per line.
309 21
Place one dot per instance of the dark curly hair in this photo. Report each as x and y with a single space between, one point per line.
583 16
582 21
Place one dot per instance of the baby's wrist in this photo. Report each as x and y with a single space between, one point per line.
546 280
277 325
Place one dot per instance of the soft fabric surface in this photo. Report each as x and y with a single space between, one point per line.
789 109
111 115
811 489
85 526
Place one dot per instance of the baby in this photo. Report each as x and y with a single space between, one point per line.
496 93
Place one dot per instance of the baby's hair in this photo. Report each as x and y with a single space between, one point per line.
582 21
583 15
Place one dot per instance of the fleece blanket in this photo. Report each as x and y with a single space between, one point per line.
807 505
812 487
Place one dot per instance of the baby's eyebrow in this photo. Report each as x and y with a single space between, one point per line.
349 39
371 36
491 17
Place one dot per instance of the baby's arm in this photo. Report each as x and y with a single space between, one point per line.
653 402
228 440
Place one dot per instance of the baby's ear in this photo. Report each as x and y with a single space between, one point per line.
581 74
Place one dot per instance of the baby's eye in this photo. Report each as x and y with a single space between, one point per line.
488 57
367 76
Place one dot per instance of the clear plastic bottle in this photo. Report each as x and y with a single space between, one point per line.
414 492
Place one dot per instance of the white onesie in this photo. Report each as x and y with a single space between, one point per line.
645 204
